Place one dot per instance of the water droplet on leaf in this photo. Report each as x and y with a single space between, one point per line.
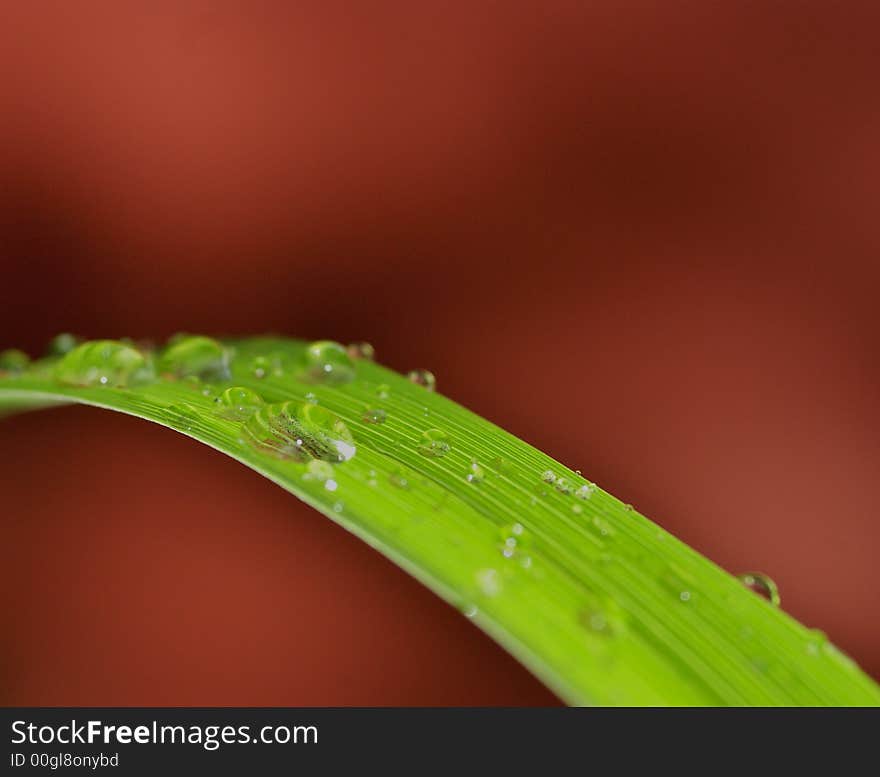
195 356
562 486
423 378
675 580
62 344
289 430
585 492
374 416
13 360
271 366
434 443
328 362
104 363
475 474
816 641
762 585
239 403
361 351
514 540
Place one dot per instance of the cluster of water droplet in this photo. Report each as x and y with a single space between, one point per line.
307 433
515 544
302 432
565 487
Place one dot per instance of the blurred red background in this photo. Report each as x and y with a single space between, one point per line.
666 210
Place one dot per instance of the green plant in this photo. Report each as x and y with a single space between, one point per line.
599 602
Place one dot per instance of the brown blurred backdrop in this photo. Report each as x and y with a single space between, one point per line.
667 210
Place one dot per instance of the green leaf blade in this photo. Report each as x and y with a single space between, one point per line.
599 602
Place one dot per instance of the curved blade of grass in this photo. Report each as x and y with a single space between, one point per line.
599 602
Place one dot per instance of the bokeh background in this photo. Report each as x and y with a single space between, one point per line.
667 211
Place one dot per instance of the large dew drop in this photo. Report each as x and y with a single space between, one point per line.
328 362
104 363
195 356
289 430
